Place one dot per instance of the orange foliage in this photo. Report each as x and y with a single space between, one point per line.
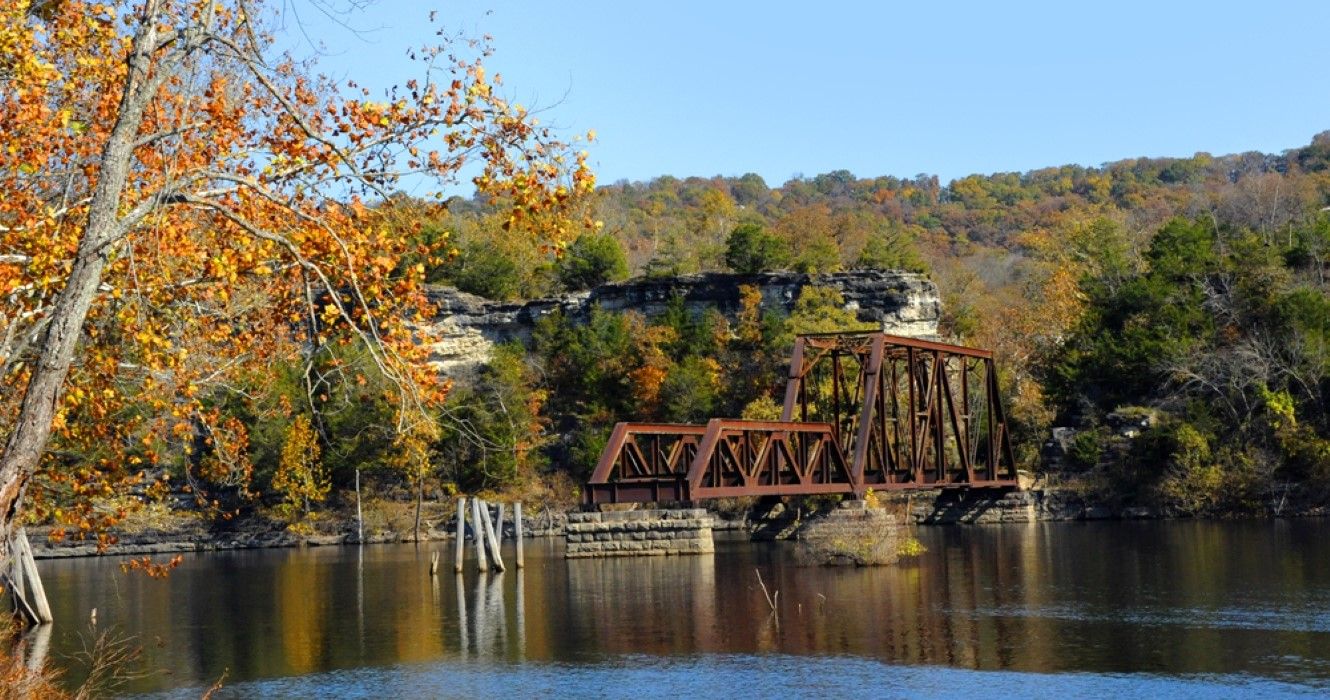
249 231
151 568
647 378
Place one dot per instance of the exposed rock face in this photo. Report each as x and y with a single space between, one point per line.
468 326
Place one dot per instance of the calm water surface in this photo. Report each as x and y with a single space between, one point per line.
1183 609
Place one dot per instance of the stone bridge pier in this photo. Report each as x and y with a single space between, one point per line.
638 533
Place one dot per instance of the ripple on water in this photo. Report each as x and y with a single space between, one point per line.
724 676
1237 618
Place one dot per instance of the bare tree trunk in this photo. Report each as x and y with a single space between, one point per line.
32 429
45 388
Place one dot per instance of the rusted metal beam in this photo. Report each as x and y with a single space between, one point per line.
881 435
832 339
870 381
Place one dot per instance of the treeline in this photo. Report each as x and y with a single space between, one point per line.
1216 338
1187 294
833 221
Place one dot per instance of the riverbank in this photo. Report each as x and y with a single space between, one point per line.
183 534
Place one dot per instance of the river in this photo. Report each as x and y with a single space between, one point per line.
1183 609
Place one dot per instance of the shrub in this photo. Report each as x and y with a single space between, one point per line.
910 547
1086 449
1193 483
762 408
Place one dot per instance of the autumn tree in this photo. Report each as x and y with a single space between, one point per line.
809 232
180 204
411 455
301 478
822 310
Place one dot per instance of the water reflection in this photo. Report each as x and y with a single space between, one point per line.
1164 598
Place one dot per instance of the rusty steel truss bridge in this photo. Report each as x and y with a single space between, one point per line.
862 411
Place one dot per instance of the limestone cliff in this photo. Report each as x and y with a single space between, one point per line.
468 326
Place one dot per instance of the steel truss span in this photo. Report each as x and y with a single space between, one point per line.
862 411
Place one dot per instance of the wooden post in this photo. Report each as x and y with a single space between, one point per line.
494 542
478 529
16 575
20 603
43 608
433 564
360 518
498 524
517 532
460 545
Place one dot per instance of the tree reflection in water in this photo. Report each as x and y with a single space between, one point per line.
1160 597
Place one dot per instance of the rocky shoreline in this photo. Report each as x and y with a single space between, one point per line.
975 507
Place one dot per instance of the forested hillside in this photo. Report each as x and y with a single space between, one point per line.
1184 298
1188 293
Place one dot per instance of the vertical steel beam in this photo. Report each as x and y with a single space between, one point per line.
835 397
916 464
869 381
939 428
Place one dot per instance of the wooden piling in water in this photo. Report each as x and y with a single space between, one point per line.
23 582
433 564
43 608
493 542
478 528
15 577
21 606
460 544
517 532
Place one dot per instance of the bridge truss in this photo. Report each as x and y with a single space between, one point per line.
862 411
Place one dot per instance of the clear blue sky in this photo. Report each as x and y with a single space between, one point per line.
882 88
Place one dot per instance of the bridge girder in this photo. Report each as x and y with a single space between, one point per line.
862 411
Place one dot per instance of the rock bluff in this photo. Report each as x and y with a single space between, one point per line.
467 326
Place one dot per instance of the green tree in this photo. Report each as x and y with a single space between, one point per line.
690 390
592 260
484 270
495 428
822 310
750 249
893 249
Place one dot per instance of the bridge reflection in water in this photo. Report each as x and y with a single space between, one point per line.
1164 598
